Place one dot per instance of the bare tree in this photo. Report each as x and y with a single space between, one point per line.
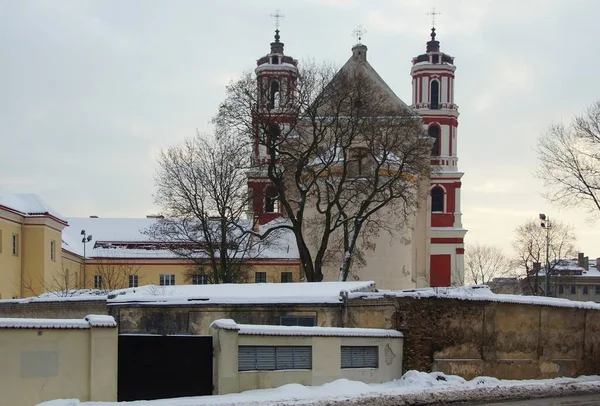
337 151
114 273
530 247
62 283
570 161
483 263
202 192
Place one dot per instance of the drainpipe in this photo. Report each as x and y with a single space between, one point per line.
344 307
21 252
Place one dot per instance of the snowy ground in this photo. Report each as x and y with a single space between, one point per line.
413 388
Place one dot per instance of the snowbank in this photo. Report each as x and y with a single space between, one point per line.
413 387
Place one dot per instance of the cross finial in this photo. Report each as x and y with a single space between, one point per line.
277 15
359 32
433 13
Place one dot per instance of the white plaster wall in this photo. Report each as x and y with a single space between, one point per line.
444 89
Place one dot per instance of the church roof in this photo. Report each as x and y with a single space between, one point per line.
358 61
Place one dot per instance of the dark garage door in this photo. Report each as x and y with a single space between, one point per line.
158 367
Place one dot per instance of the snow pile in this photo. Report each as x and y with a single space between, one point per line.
263 330
476 293
413 388
264 293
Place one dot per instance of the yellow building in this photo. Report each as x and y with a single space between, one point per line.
40 251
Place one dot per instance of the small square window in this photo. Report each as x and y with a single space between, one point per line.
133 281
166 280
199 280
260 277
98 281
286 277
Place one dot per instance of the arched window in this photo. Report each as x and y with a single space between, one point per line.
434 132
271 201
434 100
274 92
437 200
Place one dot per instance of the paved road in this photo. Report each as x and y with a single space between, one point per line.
587 400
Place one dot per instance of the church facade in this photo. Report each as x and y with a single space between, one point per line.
429 251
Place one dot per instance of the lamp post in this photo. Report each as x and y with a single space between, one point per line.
547 225
86 238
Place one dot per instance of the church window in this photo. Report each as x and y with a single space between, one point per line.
358 163
434 132
437 199
271 201
434 100
275 60
274 94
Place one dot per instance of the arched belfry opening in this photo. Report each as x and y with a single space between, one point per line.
274 94
434 132
434 100
437 199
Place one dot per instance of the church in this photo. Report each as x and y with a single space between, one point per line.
428 251
40 250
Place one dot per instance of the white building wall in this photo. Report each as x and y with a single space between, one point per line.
444 89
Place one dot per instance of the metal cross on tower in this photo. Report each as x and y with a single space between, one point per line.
359 32
433 13
277 15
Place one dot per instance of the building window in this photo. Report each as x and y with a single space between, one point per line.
271 201
260 277
133 281
274 95
97 281
286 277
434 132
53 250
275 60
166 280
304 321
359 357
435 95
561 289
573 289
199 280
273 358
15 244
437 200
586 290
597 289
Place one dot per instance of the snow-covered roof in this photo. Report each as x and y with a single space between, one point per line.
120 231
264 330
243 293
89 321
477 293
27 204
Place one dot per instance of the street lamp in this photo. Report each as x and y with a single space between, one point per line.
85 240
547 225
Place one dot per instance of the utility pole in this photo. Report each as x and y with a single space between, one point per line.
545 224
85 240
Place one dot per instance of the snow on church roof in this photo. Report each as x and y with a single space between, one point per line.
27 204
244 293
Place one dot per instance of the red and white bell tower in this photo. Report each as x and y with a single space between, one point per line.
433 98
276 76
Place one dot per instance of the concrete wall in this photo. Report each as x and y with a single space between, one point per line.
59 309
326 361
504 340
41 364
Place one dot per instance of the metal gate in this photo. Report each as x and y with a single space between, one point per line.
159 367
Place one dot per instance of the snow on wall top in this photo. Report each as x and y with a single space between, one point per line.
26 204
264 330
477 293
259 293
88 322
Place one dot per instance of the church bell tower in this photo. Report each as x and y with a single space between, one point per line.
433 98
276 76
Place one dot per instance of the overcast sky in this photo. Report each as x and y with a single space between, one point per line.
92 90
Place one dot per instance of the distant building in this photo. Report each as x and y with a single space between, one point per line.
506 286
574 279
